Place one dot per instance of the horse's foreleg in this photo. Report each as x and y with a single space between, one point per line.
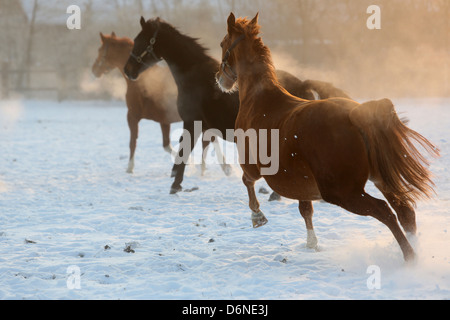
133 124
258 218
187 144
221 158
306 210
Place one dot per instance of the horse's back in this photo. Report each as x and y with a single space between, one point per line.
321 134
321 121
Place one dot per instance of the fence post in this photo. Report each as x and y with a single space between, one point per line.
5 80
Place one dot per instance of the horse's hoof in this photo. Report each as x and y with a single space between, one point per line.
258 219
174 190
410 256
203 170
312 246
311 240
191 189
227 169
259 222
274 197
169 149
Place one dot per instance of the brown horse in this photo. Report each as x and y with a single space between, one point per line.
153 96
328 149
156 102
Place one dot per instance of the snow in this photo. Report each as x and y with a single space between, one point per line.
67 205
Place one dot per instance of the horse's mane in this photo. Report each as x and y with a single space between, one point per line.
261 51
126 40
188 43
118 40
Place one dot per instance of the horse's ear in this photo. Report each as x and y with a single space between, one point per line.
142 22
102 37
113 34
231 22
255 19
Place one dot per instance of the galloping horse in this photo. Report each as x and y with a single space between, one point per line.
199 98
152 96
328 149
155 102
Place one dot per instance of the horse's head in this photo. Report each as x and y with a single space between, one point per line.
145 52
237 32
106 56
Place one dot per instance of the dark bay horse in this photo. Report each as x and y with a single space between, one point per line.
199 98
328 149
153 96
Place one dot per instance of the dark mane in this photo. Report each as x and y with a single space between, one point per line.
188 46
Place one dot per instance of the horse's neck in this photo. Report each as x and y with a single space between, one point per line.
255 77
257 82
183 54
122 58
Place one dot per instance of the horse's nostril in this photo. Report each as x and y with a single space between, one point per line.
127 72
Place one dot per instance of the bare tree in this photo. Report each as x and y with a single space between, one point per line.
25 70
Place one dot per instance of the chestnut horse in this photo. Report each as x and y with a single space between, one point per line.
156 102
153 96
328 149
199 98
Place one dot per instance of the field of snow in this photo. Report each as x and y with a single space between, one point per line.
75 225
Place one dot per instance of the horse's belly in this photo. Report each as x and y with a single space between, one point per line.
301 186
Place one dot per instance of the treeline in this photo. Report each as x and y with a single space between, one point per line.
321 39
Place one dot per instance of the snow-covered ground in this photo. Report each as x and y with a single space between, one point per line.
68 206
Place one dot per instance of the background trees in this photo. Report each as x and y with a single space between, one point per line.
320 39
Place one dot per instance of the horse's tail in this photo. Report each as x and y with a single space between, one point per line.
394 160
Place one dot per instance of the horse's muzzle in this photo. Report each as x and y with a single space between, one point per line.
130 73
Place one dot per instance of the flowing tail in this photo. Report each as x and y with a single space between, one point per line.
393 157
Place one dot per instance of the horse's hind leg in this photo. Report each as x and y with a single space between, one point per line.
220 157
306 210
274 197
165 130
133 124
405 212
363 204
205 145
219 154
187 143
258 218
